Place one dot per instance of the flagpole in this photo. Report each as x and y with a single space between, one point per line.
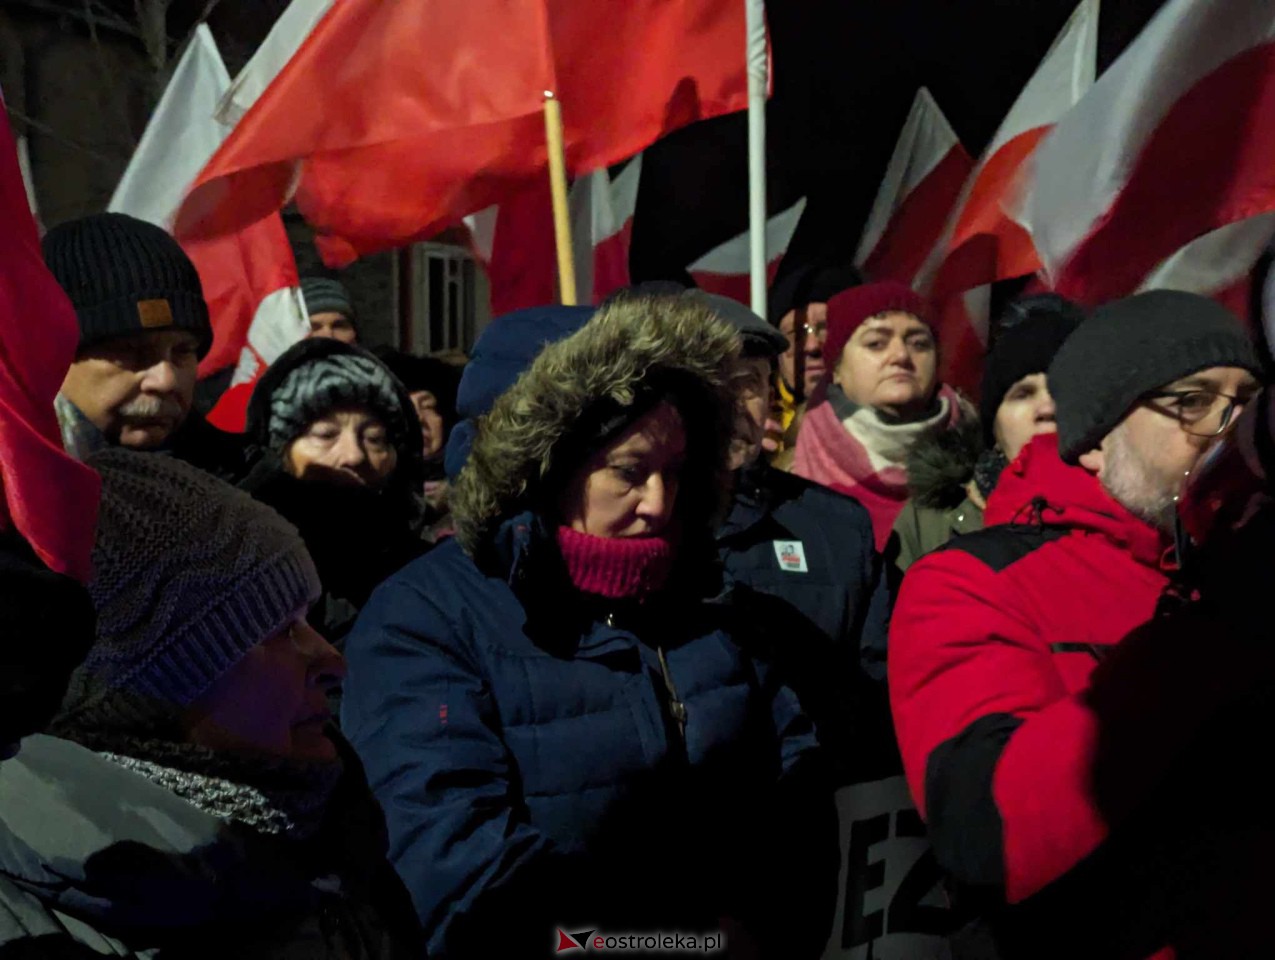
757 77
558 188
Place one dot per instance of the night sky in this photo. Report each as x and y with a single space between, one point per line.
845 73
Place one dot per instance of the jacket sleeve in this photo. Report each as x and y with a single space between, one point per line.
997 754
417 710
1019 781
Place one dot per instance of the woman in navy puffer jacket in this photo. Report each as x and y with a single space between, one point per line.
552 707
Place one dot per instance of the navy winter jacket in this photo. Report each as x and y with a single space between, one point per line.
832 574
822 605
521 740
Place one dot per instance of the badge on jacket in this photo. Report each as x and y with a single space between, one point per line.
791 556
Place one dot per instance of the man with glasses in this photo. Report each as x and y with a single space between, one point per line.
799 309
1015 662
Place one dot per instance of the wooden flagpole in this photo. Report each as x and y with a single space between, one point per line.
558 188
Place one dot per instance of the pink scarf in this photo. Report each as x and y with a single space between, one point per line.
865 457
618 568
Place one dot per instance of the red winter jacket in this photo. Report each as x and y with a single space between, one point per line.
1039 702
991 649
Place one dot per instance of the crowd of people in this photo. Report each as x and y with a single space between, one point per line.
609 631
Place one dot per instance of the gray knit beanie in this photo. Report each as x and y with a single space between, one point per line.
314 388
1130 347
325 295
189 575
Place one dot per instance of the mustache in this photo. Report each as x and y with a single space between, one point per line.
151 408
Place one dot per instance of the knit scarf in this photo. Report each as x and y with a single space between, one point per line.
854 451
279 797
617 568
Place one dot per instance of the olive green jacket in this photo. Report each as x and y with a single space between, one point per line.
920 530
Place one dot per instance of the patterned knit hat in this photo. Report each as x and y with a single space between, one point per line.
314 388
190 574
848 310
126 276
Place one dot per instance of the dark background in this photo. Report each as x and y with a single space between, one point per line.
845 74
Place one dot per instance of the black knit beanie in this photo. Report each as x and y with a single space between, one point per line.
1025 346
1131 347
809 284
126 276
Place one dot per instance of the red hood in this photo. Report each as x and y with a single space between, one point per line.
1039 488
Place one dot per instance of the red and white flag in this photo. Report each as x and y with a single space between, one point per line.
724 269
921 186
47 496
280 46
249 276
602 225
515 240
433 110
982 243
1174 142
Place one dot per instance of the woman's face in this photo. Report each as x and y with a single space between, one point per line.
629 488
1027 410
349 446
274 701
432 425
890 363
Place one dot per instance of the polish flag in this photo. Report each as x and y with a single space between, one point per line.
281 44
917 195
602 212
249 277
982 243
1218 264
432 110
1173 143
515 240
724 269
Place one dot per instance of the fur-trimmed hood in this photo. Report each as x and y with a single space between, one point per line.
942 464
622 347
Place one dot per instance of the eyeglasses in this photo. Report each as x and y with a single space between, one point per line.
801 331
1202 413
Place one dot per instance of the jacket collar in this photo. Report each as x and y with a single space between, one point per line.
1039 488
753 499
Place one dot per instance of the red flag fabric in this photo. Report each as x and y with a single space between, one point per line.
239 271
522 265
983 243
523 268
432 109
921 186
49 498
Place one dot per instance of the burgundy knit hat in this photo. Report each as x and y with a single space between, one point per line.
849 309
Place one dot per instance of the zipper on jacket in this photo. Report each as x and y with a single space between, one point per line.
676 707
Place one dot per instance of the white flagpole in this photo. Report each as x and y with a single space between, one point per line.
757 83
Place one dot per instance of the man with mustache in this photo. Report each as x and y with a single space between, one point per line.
143 329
